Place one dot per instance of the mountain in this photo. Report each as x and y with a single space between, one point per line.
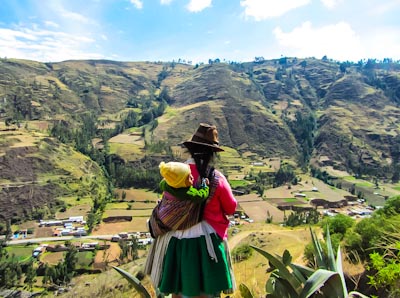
321 113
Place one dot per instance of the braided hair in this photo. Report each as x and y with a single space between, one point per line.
203 157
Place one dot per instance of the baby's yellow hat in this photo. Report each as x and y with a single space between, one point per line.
175 173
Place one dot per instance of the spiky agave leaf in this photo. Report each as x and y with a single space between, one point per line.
280 288
301 272
133 281
283 271
339 269
328 281
319 255
331 262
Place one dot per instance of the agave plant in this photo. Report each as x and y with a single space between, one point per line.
296 281
133 281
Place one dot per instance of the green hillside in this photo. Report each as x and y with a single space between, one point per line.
338 117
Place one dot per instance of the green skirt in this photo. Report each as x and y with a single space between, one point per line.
189 270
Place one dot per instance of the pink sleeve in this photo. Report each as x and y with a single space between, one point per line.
228 201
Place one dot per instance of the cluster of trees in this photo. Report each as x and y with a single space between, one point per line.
303 128
14 273
284 175
129 249
63 271
127 176
298 218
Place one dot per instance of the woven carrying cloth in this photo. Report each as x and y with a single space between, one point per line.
174 214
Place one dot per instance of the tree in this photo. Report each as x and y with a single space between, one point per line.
338 224
30 275
71 259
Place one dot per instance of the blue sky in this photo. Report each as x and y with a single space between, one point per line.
199 30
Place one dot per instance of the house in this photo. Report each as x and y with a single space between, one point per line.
299 195
115 238
123 235
78 219
66 232
38 250
145 241
80 232
90 246
50 223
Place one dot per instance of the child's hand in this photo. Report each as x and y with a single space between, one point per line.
205 182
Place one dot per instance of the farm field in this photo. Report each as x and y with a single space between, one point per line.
138 224
257 209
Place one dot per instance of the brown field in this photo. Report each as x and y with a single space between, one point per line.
257 209
127 139
52 258
43 232
78 210
138 195
109 255
134 212
324 191
21 138
38 125
138 224
143 205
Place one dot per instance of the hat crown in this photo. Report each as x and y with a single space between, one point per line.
205 136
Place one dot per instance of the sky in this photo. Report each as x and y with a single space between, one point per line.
195 31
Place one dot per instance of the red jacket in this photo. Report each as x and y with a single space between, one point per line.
221 204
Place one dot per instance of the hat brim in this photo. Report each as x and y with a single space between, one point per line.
213 147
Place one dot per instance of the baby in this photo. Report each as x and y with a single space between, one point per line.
178 181
179 198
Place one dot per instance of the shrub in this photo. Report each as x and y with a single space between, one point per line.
242 252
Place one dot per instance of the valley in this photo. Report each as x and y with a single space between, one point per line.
84 139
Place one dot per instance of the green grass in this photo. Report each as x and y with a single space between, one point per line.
122 205
72 201
349 178
290 200
365 184
238 183
85 258
21 253
133 212
396 188
125 150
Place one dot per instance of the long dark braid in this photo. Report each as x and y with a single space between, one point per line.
203 157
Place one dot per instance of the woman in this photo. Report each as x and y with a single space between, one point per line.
196 262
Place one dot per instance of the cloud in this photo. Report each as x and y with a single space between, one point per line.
51 24
73 16
337 41
198 5
137 3
264 9
165 2
45 45
381 35
330 3
384 7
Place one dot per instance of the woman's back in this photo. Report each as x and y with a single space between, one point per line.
221 204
